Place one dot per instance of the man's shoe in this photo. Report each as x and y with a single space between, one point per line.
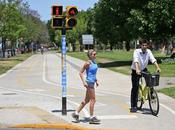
75 116
94 120
133 109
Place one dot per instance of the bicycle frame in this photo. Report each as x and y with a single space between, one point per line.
143 90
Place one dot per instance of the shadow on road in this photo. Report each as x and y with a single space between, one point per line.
146 111
124 63
61 111
114 64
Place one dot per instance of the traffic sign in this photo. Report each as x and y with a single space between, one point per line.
87 39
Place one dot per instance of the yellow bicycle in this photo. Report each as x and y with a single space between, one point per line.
147 92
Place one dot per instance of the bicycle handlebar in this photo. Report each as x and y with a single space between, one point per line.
149 73
143 72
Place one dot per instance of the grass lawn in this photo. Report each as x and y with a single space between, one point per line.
8 63
120 61
168 91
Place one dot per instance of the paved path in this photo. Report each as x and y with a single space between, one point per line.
31 94
167 82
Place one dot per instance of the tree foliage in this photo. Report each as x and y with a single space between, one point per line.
18 21
118 20
155 20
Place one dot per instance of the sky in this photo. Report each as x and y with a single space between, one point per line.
43 7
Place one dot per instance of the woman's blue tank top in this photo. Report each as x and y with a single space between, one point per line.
91 72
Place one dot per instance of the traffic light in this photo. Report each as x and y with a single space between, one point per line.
57 16
71 12
57 10
57 22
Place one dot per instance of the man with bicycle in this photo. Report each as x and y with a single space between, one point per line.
141 58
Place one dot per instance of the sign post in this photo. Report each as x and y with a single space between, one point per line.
64 78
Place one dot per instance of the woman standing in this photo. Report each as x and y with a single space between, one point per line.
91 69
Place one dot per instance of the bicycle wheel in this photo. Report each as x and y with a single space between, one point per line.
153 101
140 100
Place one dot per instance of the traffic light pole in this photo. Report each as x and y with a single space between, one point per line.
59 21
63 61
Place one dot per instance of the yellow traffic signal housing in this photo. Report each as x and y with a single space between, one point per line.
71 22
57 10
71 12
57 16
57 22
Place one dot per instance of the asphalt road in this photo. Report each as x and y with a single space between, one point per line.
31 93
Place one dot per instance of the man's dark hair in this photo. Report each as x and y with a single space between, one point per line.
141 41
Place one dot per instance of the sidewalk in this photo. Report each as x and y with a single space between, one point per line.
34 117
15 110
166 82
26 115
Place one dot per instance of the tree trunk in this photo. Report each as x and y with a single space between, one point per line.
111 47
3 47
127 46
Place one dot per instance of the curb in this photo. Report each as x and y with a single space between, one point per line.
57 126
65 126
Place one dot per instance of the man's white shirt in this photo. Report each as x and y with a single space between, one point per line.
142 58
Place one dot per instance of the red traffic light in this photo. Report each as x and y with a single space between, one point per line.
71 10
57 10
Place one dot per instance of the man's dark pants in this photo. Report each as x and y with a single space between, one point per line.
134 91
135 86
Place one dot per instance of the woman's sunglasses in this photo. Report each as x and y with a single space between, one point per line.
94 54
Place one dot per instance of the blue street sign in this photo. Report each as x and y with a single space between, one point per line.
63 44
64 79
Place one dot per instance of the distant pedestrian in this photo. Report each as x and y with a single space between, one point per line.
42 50
91 70
141 58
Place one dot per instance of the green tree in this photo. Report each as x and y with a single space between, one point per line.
11 22
17 21
111 24
155 20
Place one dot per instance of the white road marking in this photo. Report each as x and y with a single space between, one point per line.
169 109
70 95
112 93
98 104
100 94
114 117
35 90
44 73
